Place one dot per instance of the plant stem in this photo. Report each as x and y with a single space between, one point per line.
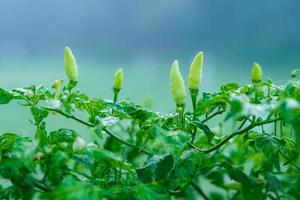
281 129
74 172
255 92
239 132
68 116
220 111
199 190
91 125
288 160
194 94
243 123
194 134
180 111
116 94
116 179
275 128
124 142
40 186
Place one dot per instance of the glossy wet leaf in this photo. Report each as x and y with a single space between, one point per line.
156 168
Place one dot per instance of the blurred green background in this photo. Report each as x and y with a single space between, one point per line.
143 37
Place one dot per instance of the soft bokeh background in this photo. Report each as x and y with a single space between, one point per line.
143 37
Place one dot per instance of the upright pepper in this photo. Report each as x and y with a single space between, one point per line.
177 85
195 76
256 73
117 83
118 79
71 68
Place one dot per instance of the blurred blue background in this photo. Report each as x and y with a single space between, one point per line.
144 37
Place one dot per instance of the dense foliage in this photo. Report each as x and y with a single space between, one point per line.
240 142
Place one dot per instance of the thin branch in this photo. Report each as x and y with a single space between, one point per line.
69 116
92 125
243 123
203 127
213 115
40 186
199 190
124 142
239 132
194 94
271 197
74 172
288 160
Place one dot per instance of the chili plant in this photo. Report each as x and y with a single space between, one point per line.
240 142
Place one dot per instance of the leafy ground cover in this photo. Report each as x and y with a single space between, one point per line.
240 142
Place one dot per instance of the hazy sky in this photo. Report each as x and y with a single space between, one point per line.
113 29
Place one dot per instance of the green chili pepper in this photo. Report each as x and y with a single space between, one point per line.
118 79
71 68
257 73
195 76
117 83
177 85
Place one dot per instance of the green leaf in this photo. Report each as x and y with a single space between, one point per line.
126 109
163 167
71 189
41 134
57 166
157 168
16 161
239 176
251 192
103 156
268 145
295 73
62 139
170 142
209 134
237 105
229 87
38 114
186 167
292 89
209 102
7 140
5 96
273 183
252 188
146 174
150 192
